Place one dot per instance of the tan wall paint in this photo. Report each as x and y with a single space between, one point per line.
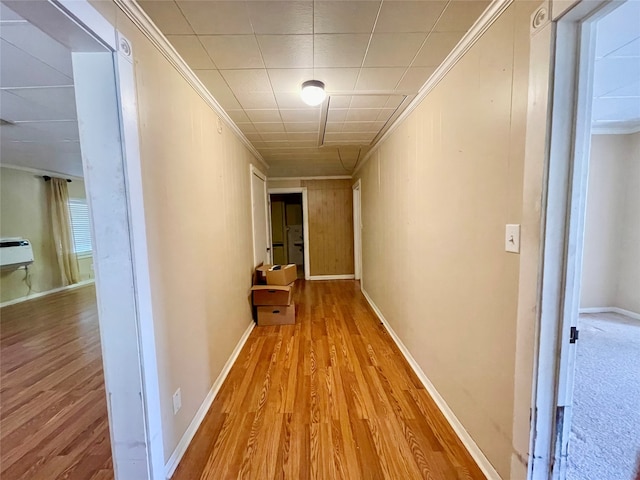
436 196
330 205
198 217
25 214
611 259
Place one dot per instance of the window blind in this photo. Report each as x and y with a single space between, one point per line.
79 211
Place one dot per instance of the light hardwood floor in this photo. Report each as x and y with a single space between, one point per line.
328 398
53 413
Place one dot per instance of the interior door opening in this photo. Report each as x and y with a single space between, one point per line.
586 399
287 230
53 65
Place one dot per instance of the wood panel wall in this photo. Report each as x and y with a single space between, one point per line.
330 226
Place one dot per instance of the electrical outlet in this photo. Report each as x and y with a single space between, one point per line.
177 401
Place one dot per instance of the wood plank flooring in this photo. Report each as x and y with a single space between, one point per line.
53 412
328 398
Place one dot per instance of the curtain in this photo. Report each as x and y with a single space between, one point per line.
58 197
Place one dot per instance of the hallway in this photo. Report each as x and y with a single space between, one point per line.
331 397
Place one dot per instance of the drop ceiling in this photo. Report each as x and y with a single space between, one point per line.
37 98
616 104
373 57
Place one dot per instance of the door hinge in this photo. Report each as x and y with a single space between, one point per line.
574 335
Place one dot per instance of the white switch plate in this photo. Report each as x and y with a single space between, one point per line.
512 238
177 401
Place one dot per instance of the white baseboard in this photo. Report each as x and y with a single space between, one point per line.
621 311
457 426
350 276
184 442
48 292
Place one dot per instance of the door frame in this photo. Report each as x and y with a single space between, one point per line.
120 249
305 222
563 214
253 170
357 230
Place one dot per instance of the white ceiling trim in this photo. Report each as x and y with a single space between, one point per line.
330 177
38 171
488 17
615 130
149 29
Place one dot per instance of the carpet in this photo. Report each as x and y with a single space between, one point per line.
605 432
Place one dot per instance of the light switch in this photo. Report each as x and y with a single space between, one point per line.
512 238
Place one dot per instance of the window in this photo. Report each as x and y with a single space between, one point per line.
79 211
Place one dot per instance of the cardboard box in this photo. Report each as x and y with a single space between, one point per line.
272 294
277 315
284 276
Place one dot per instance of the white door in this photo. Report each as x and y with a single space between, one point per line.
261 250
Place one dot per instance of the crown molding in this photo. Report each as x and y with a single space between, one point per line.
330 177
615 129
141 20
488 17
40 172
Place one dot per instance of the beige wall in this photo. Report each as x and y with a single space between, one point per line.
330 205
198 216
435 200
25 214
611 259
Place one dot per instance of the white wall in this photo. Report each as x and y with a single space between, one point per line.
611 260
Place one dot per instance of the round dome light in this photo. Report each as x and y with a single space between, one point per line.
313 92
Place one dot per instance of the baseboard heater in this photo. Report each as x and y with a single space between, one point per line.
15 253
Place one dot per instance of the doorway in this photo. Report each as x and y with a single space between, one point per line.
100 60
289 228
585 426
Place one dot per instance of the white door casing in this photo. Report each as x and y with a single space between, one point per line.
260 217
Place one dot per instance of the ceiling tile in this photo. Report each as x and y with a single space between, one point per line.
303 136
395 101
302 127
289 79
345 17
218 87
281 17
167 16
287 51
265 128
192 51
414 78
410 16
618 28
436 49
362 114
31 72
253 80
270 115
630 90
337 79
302 115
631 49
339 101
36 44
292 101
245 127
337 114
256 100
253 137
59 103
352 138
7 14
613 73
369 101
379 78
362 127
340 50
334 127
276 136
385 114
459 16
233 51
393 49
216 17
238 116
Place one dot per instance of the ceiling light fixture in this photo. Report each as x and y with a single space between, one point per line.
313 93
